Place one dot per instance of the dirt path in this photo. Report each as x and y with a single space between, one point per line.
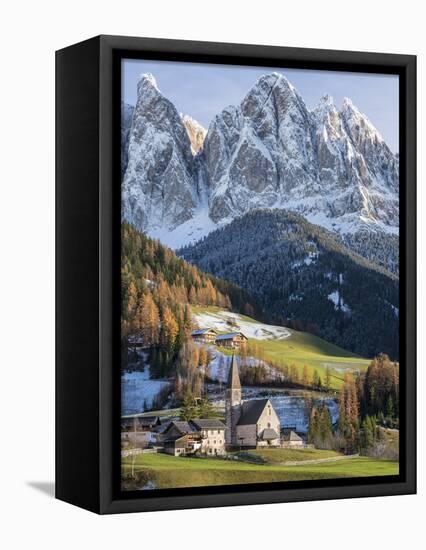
315 461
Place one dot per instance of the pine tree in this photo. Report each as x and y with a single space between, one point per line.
368 431
205 408
188 410
390 408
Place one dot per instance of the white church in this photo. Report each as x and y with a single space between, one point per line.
248 423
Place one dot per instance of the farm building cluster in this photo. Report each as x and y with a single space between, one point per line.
248 424
231 340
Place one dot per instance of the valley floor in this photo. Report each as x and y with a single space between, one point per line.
163 471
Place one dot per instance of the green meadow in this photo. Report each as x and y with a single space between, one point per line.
168 471
300 349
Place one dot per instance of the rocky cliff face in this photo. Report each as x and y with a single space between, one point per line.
196 133
126 122
158 184
331 165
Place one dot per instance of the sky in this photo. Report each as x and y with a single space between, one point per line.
203 90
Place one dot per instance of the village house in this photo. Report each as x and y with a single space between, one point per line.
251 423
232 340
136 423
135 341
212 434
206 436
290 439
204 335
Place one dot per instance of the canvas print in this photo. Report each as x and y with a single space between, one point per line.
259 275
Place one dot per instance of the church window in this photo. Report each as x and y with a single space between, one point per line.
269 424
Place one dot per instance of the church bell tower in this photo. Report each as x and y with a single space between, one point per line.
232 403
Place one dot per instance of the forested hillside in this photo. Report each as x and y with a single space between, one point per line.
306 279
156 290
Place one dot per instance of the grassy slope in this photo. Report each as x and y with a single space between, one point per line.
302 348
276 456
168 471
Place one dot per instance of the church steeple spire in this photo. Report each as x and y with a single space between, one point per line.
233 376
233 403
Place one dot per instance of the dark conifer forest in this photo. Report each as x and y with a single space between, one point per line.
305 278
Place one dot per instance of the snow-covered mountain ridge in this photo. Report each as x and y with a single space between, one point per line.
330 165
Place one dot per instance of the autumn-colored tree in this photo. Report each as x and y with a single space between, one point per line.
327 379
193 296
349 414
169 330
202 356
294 374
132 297
305 376
187 322
147 320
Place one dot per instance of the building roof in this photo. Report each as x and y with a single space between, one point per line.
183 426
148 420
202 331
208 424
233 376
251 411
290 435
268 433
194 426
230 335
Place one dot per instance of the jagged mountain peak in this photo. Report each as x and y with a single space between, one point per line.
330 165
271 90
196 133
326 112
147 79
359 122
325 105
158 189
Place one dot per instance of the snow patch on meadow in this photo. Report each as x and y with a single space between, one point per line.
224 321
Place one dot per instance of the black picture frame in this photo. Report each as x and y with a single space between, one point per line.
87 273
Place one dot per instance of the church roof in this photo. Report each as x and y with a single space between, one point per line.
233 376
251 411
268 433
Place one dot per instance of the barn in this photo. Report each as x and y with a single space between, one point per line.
204 335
